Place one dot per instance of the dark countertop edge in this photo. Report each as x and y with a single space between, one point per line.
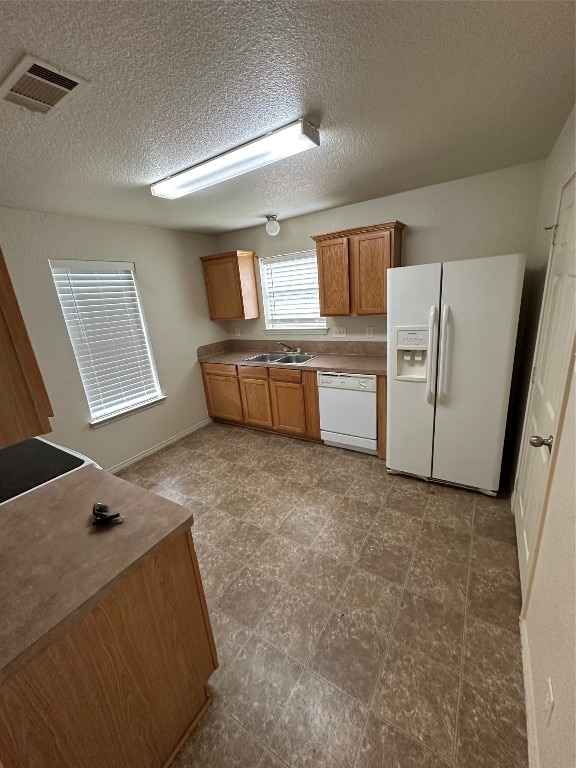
237 358
39 645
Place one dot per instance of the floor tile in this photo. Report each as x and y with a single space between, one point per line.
457 516
339 541
385 747
390 561
363 490
320 727
293 623
229 637
409 499
319 576
348 654
279 556
431 628
269 512
239 501
303 524
439 579
369 599
491 730
495 521
396 527
217 569
258 685
420 697
243 539
494 596
450 543
248 596
323 500
356 513
488 553
337 482
493 658
219 742
268 760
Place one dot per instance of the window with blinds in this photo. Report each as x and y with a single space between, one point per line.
290 291
105 320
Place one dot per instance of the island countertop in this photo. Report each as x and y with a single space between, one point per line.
55 565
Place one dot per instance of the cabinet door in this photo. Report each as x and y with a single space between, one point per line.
256 402
333 276
224 401
24 403
288 411
369 262
223 288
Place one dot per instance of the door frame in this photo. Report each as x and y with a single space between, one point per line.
526 425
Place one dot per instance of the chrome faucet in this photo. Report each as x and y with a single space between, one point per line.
288 348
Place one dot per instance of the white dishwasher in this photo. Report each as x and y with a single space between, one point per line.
348 410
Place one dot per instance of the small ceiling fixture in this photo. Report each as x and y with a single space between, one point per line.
273 146
272 225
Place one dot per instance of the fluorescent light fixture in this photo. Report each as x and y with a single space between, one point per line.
273 146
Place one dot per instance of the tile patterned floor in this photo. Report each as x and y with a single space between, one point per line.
362 620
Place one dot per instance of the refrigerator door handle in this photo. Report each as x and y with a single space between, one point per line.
443 353
432 340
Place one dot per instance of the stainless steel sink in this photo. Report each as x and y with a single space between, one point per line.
265 357
295 358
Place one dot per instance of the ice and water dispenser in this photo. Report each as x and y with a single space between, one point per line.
411 343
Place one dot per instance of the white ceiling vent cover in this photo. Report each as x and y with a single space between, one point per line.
38 86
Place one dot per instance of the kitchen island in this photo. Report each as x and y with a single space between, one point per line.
105 639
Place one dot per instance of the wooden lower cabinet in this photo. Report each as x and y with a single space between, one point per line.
255 391
288 411
279 399
222 390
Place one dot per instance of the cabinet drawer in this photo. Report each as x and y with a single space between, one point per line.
285 374
253 371
219 369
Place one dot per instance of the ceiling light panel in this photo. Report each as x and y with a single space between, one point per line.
273 146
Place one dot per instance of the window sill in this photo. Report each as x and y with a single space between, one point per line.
297 331
124 414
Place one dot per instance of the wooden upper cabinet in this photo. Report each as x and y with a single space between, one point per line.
352 266
333 276
230 280
24 405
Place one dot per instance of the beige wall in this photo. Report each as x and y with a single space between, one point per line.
550 624
483 215
172 288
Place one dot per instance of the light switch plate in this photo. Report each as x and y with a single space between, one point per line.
339 331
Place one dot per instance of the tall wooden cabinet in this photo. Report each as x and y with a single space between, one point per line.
24 405
230 280
352 268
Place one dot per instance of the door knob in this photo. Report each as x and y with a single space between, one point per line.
538 442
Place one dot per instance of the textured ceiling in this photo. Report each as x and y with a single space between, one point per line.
406 94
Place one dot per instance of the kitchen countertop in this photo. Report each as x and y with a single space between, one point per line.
368 364
55 565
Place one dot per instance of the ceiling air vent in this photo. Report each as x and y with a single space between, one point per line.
39 86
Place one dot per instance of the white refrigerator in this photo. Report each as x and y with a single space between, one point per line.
451 340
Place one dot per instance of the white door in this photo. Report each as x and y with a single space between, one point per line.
479 319
551 362
413 300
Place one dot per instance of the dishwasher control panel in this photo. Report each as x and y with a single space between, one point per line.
354 381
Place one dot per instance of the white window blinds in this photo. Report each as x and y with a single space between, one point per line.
290 291
105 321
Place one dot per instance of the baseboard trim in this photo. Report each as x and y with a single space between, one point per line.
159 446
533 757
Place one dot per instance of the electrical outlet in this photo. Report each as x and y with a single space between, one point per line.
236 331
549 702
339 331
369 331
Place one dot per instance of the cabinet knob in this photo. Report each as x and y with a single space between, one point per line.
537 442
